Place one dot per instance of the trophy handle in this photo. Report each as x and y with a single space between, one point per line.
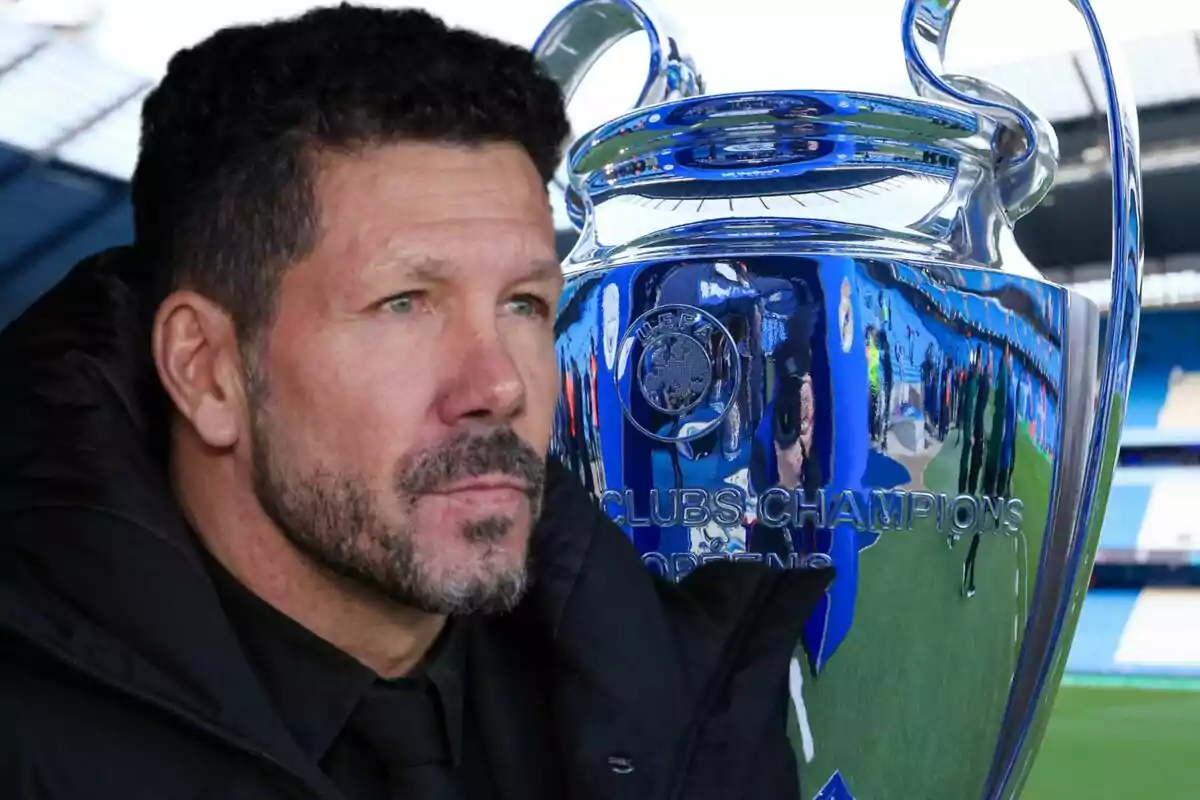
584 31
1026 144
1028 161
1025 176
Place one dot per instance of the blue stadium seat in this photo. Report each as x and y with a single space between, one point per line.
1098 634
1147 632
1169 342
51 216
1123 519
1147 395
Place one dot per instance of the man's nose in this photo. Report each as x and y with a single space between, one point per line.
483 381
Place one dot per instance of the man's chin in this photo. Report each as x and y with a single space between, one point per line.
484 548
477 589
446 524
483 569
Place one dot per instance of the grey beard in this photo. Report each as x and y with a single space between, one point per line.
334 520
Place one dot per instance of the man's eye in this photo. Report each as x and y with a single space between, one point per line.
404 303
528 305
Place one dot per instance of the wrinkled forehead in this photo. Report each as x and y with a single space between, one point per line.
434 207
430 182
422 266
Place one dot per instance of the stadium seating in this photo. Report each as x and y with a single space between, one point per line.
1166 380
51 215
1143 616
1150 631
1150 512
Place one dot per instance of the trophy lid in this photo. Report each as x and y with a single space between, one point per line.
911 172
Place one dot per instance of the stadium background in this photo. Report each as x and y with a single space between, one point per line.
1127 722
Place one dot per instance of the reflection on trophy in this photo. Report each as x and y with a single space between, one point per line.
788 337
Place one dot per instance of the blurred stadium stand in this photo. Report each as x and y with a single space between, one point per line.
68 136
1142 616
68 142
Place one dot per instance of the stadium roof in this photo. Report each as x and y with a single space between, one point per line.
98 74
73 73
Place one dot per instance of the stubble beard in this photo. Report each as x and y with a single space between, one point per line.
335 519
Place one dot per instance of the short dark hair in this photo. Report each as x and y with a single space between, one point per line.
223 193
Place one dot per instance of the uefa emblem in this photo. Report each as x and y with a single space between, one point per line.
685 367
675 373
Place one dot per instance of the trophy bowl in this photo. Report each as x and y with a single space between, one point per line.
797 331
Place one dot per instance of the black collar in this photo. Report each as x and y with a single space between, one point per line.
315 687
446 670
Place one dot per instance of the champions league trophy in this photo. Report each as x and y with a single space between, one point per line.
789 336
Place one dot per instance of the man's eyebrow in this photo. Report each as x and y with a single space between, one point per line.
424 268
545 269
418 266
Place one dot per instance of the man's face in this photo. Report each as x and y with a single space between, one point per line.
791 458
402 399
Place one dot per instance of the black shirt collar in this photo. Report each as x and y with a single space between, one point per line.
314 686
445 667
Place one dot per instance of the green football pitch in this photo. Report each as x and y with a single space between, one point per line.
916 693
1107 743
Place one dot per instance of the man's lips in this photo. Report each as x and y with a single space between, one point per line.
483 484
488 495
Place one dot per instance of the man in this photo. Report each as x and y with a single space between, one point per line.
966 430
966 417
269 480
791 431
945 383
993 456
979 443
886 361
875 379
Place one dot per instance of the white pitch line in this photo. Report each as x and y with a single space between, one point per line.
796 686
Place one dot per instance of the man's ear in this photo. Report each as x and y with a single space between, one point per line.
196 354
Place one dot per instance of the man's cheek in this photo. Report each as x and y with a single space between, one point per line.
539 412
542 371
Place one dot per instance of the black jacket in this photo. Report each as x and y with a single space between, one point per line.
121 678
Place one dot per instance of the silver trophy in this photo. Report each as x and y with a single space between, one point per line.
789 336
